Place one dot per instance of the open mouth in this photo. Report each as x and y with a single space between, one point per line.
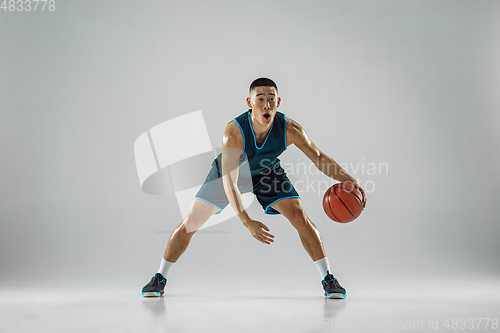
267 116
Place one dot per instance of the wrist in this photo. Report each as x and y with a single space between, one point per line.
244 218
349 179
344 177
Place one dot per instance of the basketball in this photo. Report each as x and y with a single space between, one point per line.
343 202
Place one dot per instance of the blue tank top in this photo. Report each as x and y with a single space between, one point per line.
264 157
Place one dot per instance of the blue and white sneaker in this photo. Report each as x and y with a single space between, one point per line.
155 287
332 287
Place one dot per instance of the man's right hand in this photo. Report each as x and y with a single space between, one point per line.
259 231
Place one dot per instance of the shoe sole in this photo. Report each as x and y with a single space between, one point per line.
153 293
335 295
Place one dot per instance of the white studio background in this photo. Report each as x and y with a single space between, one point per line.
412 85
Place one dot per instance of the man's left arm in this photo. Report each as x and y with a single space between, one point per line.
297 135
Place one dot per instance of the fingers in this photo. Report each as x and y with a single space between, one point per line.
263 236
267 234
257 229
364 195
264 240
264 226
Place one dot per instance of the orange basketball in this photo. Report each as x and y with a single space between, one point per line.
343 202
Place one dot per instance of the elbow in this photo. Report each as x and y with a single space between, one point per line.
320 156
228 183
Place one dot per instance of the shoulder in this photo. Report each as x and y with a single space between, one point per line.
292 125
294 132
232 136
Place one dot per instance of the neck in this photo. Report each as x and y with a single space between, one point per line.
258 128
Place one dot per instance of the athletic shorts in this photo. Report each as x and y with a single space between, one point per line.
269 188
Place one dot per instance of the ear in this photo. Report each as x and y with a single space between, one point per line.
279 102
249 103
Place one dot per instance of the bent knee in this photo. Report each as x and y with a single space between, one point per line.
191 224
299 218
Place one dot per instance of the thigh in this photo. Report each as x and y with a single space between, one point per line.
212 191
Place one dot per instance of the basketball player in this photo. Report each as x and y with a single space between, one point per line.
255 139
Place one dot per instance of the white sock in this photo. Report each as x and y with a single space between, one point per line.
165 267
323 267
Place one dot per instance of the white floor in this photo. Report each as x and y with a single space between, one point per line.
420 306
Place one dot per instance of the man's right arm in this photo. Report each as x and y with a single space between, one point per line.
232 148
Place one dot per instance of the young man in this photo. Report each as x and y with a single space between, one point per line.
255 139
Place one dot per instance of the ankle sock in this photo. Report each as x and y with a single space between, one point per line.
323 267
165 267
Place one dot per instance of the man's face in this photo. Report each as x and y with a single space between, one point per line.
264 102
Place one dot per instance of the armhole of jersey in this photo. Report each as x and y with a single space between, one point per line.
242 134
286 146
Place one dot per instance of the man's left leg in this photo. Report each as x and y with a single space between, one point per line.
308 233
291 208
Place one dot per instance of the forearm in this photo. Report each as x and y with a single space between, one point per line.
235 200
332 169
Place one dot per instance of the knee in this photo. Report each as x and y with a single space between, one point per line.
190 224
299 219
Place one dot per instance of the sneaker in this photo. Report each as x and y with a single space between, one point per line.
155 287
332 287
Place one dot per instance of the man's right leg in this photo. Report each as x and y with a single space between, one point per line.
198 214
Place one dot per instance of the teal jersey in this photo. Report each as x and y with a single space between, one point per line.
260 159
263 176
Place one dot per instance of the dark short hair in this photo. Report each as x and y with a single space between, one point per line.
263 82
